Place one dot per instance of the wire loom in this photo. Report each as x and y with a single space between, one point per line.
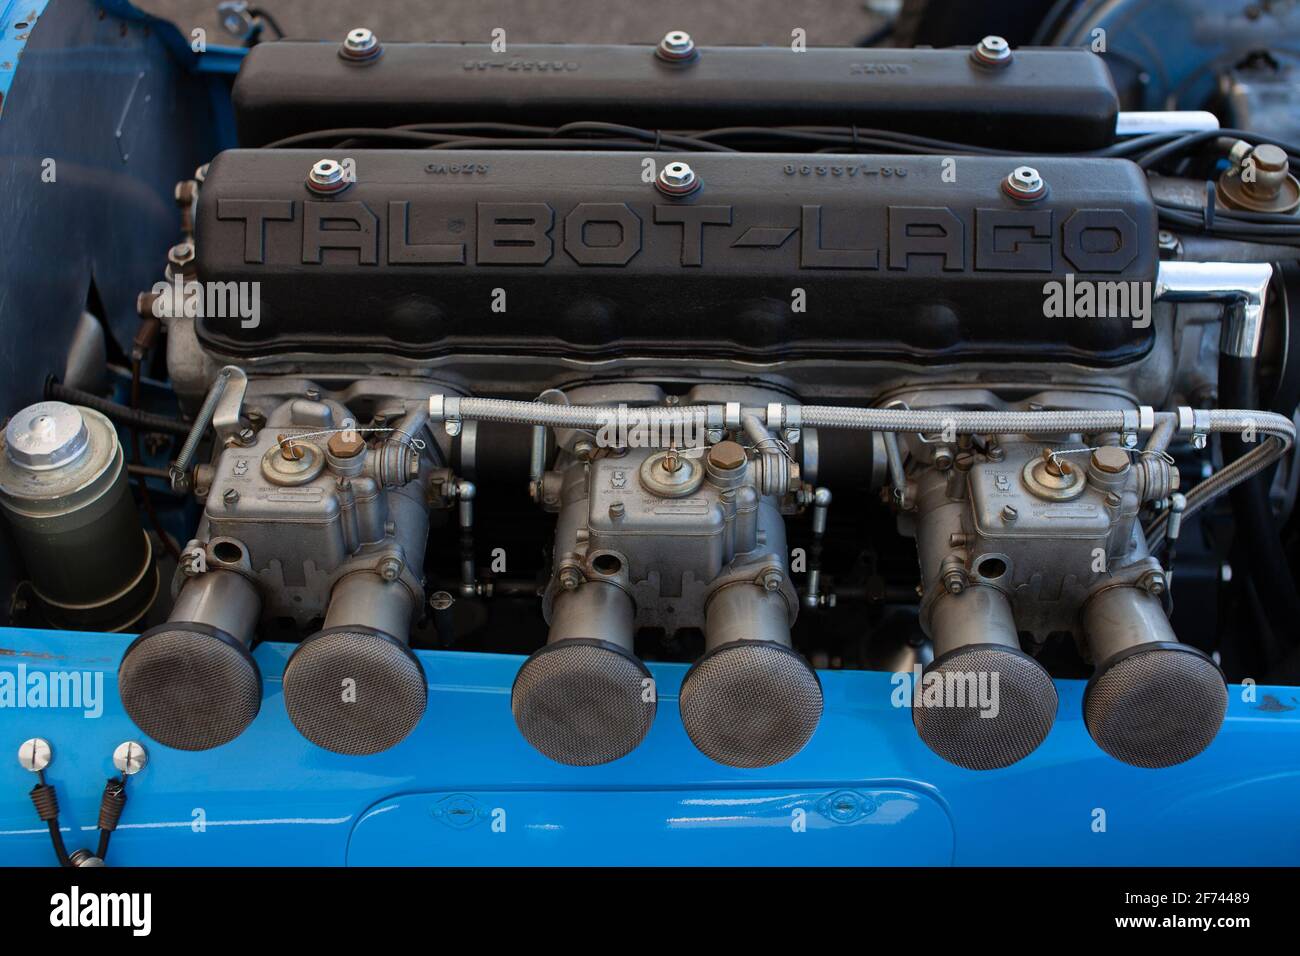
46 801
1150 151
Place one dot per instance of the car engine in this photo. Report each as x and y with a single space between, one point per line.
944 362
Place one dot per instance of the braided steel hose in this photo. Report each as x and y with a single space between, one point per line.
445 408
1277 430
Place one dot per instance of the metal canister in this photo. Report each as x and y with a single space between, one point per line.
63 487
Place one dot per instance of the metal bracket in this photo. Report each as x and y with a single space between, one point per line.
225 417
1241 286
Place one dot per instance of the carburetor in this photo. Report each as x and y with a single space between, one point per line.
304 519
670 538
1034 538
311 502
1050 521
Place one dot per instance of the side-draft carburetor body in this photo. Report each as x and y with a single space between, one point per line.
673 536
309 518
1024 538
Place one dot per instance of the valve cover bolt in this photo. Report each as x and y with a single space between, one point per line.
1024 184
676 46
181 258
360 44
327 176
677 179
992 51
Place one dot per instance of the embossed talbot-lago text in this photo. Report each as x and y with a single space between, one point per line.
615 233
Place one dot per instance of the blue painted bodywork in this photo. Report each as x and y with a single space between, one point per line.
465 788
17 20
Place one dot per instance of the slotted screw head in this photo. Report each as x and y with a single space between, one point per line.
130 757
35 754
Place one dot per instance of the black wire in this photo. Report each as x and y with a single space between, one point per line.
889 146
485 127
1159 146
270 21
1224 226
137 449
118 413
60 848
847 136
655 136
111 805
1281 218
1135 144
618 136
1154 148
346 137
46 801
557 143
359 132
1183 143
914 138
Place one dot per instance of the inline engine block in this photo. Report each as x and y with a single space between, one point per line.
569 359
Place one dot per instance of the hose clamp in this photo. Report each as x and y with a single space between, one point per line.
451 422
1200 428
792 420
1131 424
1146 419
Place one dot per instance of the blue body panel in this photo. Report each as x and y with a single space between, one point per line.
17 20
465 788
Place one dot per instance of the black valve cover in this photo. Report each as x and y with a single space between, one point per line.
773 257
1044 99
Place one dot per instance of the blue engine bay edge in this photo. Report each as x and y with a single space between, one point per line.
18 19
466 789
